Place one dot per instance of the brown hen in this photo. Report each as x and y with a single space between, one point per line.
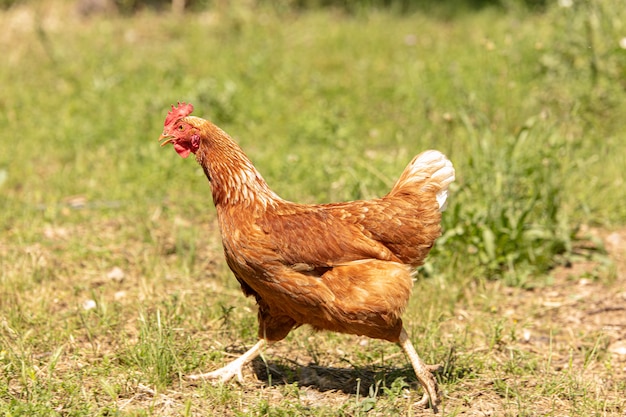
344 267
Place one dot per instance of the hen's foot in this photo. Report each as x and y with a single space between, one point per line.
424 374
430 388
234 368
224 374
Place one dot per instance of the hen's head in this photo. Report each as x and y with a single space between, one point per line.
181 130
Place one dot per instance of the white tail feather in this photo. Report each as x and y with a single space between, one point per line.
442 199
433 169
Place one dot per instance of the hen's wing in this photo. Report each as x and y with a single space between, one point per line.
387 229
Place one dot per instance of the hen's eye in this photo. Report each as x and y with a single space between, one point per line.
181 127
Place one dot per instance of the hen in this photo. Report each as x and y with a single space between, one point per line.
344 267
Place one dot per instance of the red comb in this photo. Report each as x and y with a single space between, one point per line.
182 110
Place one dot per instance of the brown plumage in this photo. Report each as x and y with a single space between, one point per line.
344 267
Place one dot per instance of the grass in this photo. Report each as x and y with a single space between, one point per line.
112 283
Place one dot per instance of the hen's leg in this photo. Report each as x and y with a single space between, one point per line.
423 372
235 367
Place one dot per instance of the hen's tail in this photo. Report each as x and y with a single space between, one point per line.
429 171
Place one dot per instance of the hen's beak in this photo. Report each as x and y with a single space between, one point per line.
165 139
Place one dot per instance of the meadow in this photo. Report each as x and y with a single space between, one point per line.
113 285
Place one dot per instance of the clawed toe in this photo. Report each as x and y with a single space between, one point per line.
233 369
433 368
224 374
431 390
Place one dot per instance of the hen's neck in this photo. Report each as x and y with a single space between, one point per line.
234 180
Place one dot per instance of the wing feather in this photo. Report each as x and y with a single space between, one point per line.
387 229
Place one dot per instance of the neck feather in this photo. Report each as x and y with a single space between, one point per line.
234 180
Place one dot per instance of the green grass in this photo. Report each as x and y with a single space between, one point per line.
330 107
